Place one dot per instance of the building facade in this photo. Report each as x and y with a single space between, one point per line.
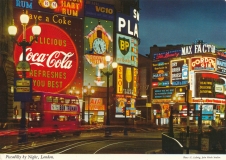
75 37
188 77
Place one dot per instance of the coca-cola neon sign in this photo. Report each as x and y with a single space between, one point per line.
53 59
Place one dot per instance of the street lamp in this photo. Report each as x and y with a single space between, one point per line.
171 119
88 91
36 30
225 123
108 73
200 124
174 99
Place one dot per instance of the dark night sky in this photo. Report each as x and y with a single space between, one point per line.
175 22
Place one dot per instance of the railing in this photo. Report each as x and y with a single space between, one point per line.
171 145
219 139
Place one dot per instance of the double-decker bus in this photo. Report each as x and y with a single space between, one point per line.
51 113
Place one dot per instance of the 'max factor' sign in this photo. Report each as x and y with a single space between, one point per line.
198 48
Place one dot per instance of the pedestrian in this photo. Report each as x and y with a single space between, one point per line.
213 138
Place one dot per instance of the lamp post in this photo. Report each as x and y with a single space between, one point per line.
108 73
188 96
225 123
200 125
88 91
36 30
171 119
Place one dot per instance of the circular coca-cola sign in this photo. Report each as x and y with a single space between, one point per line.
53 59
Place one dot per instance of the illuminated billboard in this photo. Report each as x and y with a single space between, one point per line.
54 58
73 8
207 111
221 66
125 106
99 10
197 48
98 42
166 55
203 64
128 24
179 72
127 50
177 94
210 85
160 73
126 80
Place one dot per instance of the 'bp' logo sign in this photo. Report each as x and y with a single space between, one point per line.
124 45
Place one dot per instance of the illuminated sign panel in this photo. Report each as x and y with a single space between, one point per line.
95 104
53 58
221 65
166 55
179 72
207 111
197 48
125 106
203 63
160 73
120 79
98 41
74 8
127 50
184 51
210 85
163 93
128 24
22 89
135 73
177 94
99 10
125 80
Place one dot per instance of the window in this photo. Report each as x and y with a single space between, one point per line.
55 99
49 99
36 98
61 100
67 101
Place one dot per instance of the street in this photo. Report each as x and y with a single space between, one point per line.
91 142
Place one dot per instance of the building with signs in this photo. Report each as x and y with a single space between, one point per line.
199 65
75 37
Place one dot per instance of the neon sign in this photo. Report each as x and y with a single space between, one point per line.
53 59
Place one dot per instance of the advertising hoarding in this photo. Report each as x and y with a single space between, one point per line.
197 48
99 10
160 73
98 42
128 24
126 50
125 107
73 8
126 79
179 72
207 111
203 63
166 55
176 94
211 85
54 58
221 66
